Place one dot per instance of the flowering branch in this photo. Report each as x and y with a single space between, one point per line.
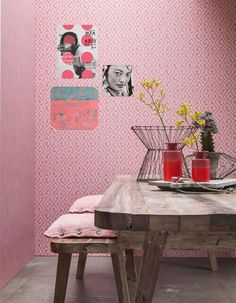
156 103
184 112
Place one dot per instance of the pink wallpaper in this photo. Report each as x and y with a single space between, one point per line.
17 137
190 44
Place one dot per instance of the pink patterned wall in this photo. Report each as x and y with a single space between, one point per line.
190 44
17 137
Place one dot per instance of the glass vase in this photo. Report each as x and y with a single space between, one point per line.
200 167
172 162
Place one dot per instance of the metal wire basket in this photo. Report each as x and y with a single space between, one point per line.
154 138
225 165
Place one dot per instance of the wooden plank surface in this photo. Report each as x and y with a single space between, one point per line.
131 205
75 245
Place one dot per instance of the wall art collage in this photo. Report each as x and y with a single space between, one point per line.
77 58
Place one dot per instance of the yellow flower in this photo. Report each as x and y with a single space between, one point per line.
147 84
141 96
162 92
164 107
198 114
148 103
144 82
184 109
190 140
195 116
179 123
156 111
157 82
201 122
150 84
158 103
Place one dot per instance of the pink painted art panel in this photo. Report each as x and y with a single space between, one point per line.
76 51
74 108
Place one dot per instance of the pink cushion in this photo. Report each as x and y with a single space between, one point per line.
85 204
79 226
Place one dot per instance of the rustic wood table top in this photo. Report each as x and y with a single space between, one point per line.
132 205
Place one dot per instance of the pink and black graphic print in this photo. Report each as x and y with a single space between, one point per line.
76 51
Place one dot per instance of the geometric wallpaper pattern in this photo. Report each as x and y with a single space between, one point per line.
189 44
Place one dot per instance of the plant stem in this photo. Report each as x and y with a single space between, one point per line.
190 127
159 114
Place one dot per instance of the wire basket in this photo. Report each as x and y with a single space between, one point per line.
154 138
224 167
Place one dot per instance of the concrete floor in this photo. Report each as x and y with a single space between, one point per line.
181 280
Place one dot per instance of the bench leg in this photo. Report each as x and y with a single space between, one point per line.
213 260
63 267
120 276
130 265
81 265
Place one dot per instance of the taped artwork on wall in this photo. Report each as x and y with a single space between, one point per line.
77 51
74 108
117 80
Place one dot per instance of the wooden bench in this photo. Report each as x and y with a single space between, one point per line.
66 247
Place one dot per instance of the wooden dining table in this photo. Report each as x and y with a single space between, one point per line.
150 219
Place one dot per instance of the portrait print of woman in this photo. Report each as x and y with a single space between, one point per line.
117 80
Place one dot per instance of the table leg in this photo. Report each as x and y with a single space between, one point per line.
63 267
153 248
130 265
213 259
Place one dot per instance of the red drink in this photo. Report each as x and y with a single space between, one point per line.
172 162
172 168
200 168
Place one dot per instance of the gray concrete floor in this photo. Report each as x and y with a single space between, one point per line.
181 280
